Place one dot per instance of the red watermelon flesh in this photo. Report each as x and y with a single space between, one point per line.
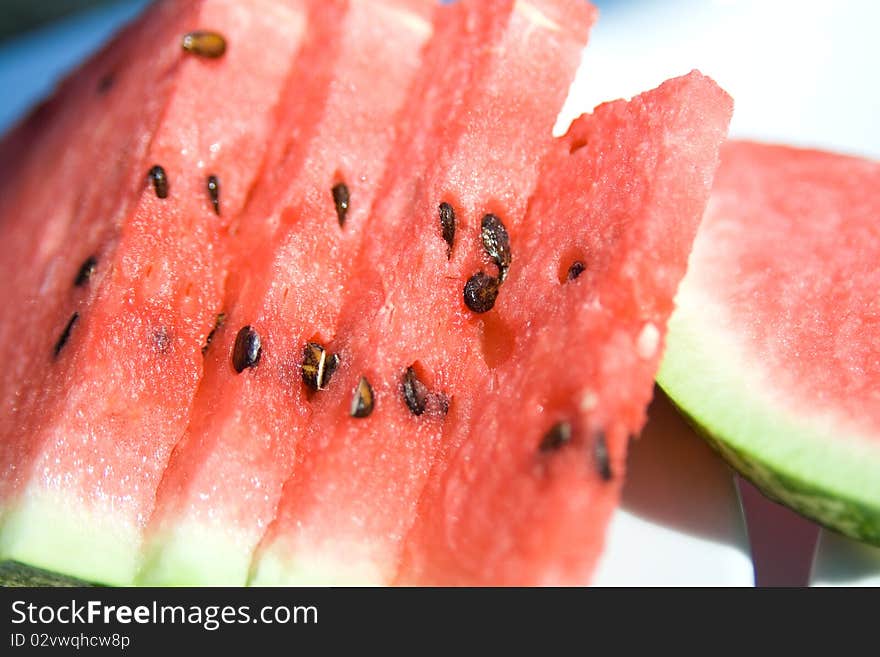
225 476
463 493
39 268
404 306
56 214
93 428
823 205
512 502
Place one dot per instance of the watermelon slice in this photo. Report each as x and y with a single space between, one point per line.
284 365
123 287
492 90
286 282
773 351
534 460
52 240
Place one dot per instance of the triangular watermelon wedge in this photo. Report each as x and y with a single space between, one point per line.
403 306
102 385
202 533
534 462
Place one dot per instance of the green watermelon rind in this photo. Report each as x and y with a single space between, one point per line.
829 479
17 574
95 547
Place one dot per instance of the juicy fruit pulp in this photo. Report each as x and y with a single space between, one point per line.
520 495
287 282
772 350
404 307
86 435
269 371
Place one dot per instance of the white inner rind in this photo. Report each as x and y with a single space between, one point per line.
340 564
196 554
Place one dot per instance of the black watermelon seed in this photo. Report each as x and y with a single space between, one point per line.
204 43
556 438
160 181
85 271
480 292
600 451
577 268
447 224
217 324
415 393
318 366
496 243
362 402
105 83
214 193
247 349
65 334
340 200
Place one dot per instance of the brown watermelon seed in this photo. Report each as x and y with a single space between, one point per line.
318 366
85 271
496 243
600 452
65 335
217 324
447 224
160 181
362 402
577 268
105 83
340 200
247 350
204 43
329 367
415 393
214 193
480 292
556 438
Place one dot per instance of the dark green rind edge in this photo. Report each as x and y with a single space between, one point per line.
846 516
17 574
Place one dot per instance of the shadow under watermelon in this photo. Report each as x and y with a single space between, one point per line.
680 522
674 478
